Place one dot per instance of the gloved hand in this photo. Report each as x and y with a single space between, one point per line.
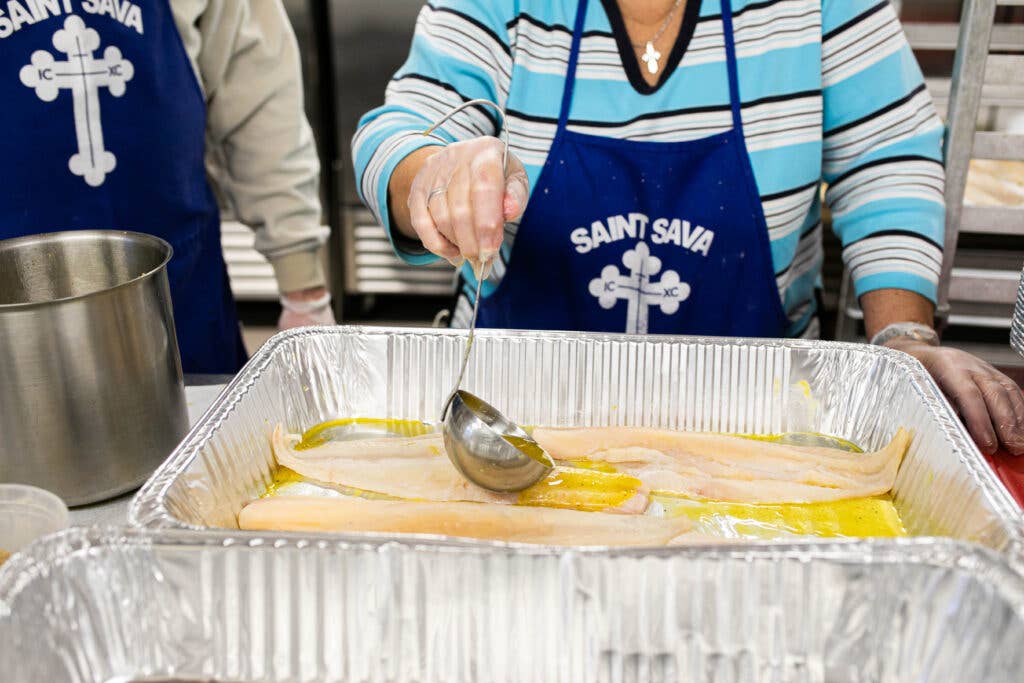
460 200
989 402
306 307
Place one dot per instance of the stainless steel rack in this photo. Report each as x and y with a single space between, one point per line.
978 286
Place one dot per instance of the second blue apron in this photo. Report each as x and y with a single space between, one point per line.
642 237
104 128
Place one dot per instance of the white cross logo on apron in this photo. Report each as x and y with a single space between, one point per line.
637 289
83 75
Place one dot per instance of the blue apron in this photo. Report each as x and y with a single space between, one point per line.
642 237
104 127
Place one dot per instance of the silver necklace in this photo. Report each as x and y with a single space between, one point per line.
651 55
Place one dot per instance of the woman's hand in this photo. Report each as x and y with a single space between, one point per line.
989 402
459 199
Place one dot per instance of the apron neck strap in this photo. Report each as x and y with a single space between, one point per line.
570 71
730 62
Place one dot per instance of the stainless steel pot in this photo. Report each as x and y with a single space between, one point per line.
91 391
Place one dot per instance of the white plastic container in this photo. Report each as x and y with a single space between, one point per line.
26 514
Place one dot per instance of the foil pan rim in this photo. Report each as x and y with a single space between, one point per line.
42 556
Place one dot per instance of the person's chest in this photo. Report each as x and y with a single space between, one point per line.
778 48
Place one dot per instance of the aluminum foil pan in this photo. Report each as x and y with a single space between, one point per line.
858 392
1017 323
103 605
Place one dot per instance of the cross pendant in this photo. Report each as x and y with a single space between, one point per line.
651 57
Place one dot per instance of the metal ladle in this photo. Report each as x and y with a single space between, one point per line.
485 446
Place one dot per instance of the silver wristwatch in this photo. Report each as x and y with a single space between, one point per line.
916 331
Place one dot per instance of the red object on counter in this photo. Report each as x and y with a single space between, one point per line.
1010 470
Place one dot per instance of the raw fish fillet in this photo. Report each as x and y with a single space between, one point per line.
731 468
417 468
414 467
520 524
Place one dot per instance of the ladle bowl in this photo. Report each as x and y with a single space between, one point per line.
489 449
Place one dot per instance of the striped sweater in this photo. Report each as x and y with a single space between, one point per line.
830 92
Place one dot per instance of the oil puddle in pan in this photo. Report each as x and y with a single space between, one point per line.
853 518
593 487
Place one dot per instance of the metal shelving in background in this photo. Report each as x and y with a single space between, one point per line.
984 244
252 277
368 42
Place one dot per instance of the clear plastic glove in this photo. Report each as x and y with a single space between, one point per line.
989 402
460 200
306 307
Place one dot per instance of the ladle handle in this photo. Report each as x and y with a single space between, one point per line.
472 103
469 347
483 264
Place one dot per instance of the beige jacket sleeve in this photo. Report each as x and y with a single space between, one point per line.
260 149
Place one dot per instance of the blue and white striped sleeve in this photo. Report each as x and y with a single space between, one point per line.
882 152
460 51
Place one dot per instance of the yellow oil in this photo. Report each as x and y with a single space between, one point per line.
854 518
283 478
581 489
315 435
594 486
805 439
530 448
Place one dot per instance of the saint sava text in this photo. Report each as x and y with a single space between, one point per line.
637 226
18 14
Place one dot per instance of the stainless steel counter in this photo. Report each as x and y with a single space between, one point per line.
199 395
